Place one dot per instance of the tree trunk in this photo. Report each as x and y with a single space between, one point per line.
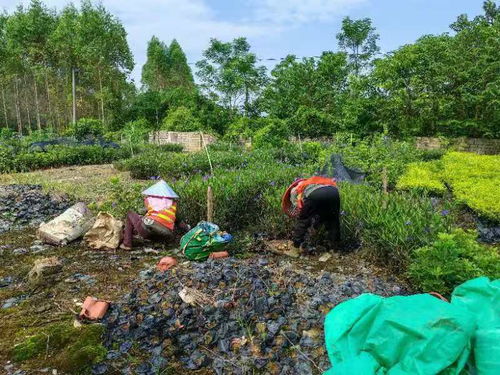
102 98
73 91
18 109
27 104
5 108
37 105
50 116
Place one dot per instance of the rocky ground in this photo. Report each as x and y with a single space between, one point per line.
250 314
24 206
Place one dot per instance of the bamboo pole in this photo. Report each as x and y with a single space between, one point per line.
210 204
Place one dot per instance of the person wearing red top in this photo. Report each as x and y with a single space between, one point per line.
314 201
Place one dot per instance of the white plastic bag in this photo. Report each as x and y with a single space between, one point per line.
70 225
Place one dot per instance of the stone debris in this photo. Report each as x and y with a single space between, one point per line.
27 206
256 314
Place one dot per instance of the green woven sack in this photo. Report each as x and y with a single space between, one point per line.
201 241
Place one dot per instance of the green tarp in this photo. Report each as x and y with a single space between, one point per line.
418 334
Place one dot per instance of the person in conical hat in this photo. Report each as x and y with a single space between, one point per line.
160 219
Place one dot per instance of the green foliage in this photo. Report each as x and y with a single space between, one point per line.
374 153
423 176
72 350
312 123
274 134
181 119
166 66
242 197
359 39
390 226
154 163
121 197
317 84
243 128
444 85
85 128
137 131
474 180
229 74
451 260
59 156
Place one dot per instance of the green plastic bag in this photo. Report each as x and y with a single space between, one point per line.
482 298
202 240
402 335
418 334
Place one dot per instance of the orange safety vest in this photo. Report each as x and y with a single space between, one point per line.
315 180
164 217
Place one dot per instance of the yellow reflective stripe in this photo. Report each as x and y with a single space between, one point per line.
164 217
169 212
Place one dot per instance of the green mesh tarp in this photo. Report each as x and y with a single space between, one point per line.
418 334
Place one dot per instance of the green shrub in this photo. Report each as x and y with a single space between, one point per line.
72 350
423 176
244 128
474 180
451 260
153 162
390 226
86 127
181 119
311 123
136 131
274 134
373 154
59 156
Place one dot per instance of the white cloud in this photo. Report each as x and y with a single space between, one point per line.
302 11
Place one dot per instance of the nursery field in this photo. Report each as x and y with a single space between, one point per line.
407 228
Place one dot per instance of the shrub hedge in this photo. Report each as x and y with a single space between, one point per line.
154 162
58 156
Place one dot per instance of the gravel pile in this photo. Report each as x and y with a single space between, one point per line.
248 316
27 205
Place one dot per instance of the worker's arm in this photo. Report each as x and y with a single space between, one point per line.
303 223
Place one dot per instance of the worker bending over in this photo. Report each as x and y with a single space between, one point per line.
160 219
314 201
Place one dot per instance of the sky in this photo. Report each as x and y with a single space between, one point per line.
274 28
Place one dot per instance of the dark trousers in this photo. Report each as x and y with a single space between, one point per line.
134 225
321 207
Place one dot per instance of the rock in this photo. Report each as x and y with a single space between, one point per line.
6 281
125 347
325 257
20 251
245 312
11 302
80 278
99 369
36 249
43 268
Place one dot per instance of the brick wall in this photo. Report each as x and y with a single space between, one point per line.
191 141
482 146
